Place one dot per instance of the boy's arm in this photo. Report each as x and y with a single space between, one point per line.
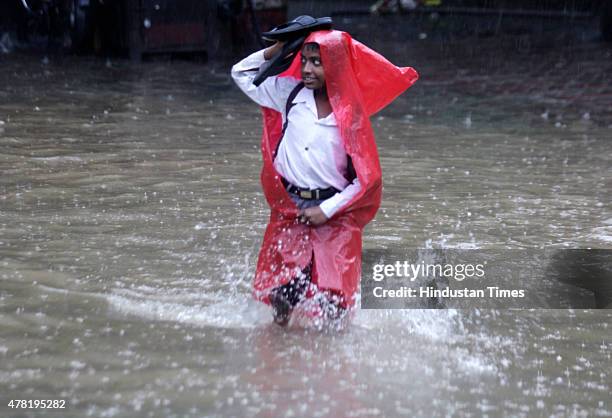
331 205
274 91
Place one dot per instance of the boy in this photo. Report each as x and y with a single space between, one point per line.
321 174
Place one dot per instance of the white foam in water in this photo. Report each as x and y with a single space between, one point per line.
603 233
471 363
431 323
172 295
242 311
237 312
446 241
379 238
59 158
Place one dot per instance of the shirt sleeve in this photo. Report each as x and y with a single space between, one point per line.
330 206
272 93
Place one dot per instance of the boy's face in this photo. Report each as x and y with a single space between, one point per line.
313 75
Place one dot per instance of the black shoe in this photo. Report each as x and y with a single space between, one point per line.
282 308
298 27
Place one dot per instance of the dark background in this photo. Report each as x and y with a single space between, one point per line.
212 29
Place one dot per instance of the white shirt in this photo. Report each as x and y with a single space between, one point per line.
311 154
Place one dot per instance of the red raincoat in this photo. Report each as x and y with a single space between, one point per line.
360 82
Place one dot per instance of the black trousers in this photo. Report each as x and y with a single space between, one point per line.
295 290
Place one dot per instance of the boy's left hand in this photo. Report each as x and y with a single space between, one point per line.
312 216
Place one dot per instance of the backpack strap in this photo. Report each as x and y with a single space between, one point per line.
290 103
288 107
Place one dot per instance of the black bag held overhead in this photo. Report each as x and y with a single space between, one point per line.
293 33
279 62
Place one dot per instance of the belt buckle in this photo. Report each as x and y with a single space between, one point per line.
305 194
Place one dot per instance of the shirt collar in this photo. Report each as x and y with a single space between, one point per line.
306 96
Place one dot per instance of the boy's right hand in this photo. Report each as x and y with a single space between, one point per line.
273 50
312 216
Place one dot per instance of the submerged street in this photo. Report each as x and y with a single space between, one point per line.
131 215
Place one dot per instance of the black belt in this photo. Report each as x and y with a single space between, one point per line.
309 194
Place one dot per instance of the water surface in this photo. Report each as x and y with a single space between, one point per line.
131 216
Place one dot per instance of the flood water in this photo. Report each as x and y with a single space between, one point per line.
131 216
